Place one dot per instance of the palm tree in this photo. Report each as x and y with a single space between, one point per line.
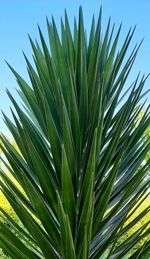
79 151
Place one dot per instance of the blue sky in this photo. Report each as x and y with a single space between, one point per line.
18 18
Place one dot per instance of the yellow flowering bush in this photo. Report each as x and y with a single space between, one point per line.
140 223
6 206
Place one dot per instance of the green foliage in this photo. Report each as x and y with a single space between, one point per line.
146 133
80 154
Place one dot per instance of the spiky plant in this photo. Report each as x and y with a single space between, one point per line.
80 155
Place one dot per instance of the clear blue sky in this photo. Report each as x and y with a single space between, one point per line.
20 17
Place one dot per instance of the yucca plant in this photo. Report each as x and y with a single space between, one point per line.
80 159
